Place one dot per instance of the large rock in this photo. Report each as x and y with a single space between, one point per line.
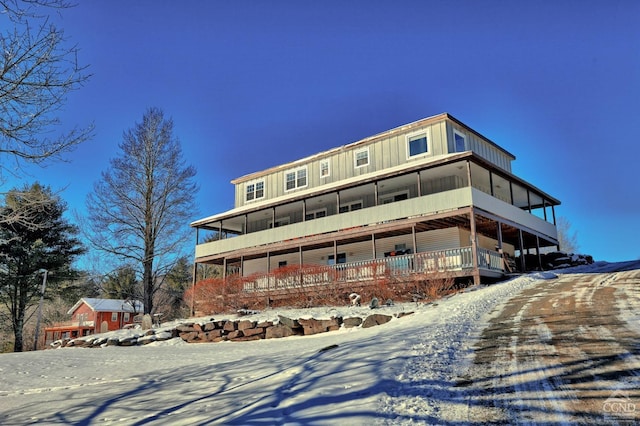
291 323
235 335
213 335
352 322
186 328
128 341
253 331
147 322
149 338
278 331
189 336
230 326
315 326
244 324
375 319
209 326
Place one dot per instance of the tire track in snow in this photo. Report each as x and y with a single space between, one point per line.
558 350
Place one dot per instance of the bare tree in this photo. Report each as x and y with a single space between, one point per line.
38 69
140 208
567 238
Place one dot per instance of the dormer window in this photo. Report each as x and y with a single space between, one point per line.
417 144
255 190
295 179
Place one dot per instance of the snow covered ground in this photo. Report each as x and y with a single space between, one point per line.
418 369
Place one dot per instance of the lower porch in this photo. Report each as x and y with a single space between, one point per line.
451 264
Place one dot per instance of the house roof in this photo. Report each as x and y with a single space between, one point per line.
109 305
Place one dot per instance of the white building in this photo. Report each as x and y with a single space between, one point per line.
428 196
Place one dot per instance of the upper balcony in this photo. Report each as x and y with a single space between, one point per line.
445 186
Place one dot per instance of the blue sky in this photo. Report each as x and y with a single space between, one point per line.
253 84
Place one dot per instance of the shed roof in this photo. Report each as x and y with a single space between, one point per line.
109 305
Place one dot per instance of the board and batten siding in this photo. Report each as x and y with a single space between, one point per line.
383 153
483 148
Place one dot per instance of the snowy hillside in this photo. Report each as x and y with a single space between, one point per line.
412 370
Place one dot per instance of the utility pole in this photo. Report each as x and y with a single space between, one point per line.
44 285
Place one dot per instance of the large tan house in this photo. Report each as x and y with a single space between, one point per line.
429 196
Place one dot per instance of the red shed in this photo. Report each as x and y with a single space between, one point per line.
91 316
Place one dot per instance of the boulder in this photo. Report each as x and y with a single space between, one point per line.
112 341
244 324
253 331
235 334
188 336
229 326
186 328
149 338
128 341
352 322
278 331
213 334
291 323
147 322
375 319
208 326
314 326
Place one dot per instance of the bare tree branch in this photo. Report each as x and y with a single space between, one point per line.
38 70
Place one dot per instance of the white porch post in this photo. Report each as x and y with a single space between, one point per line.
523 263
474 248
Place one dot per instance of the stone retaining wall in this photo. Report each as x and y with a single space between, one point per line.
236 330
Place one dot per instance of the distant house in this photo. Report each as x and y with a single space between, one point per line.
429 196
90 316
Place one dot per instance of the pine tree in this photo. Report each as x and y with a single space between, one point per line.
27 251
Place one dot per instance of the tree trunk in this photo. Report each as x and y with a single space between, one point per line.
18 326
147 280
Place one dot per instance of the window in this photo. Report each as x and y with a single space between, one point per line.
362 157
398 196
282 263
295 179
255 190
283 221
351 206
459 142
417 144
126 317
114 316
315 214
324 169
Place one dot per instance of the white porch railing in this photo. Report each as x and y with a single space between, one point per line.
425 262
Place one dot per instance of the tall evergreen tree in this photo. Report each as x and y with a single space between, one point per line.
121 284
27 251
140 209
